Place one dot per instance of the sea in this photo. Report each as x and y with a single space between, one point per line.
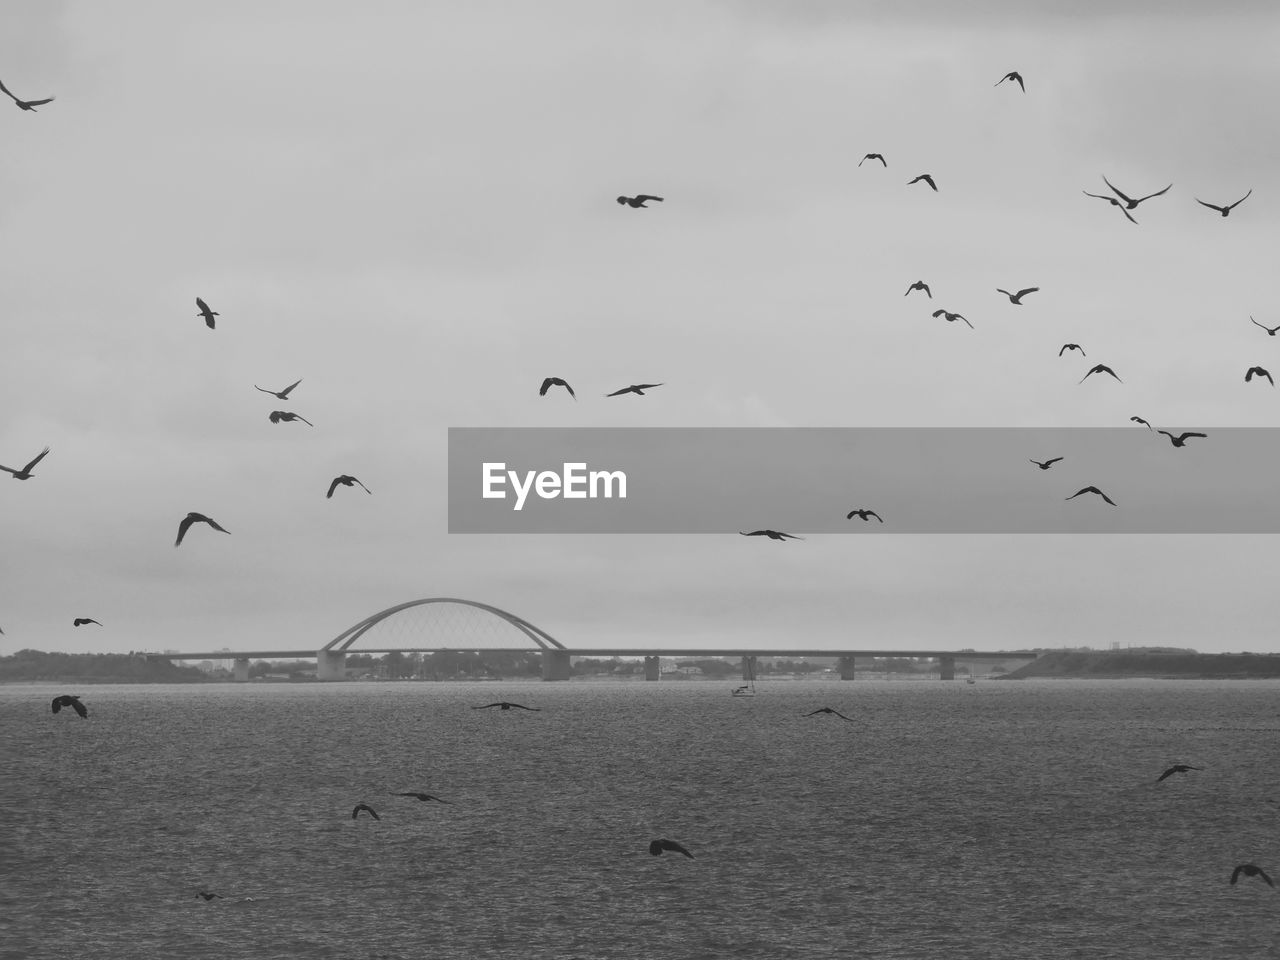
999 819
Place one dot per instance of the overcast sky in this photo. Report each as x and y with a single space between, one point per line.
411 207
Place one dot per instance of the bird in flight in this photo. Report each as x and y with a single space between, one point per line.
191 518
346 481
25 472
1046 464
1181 441
26 104
550 382
1072 346
1012 75
208 896
1227 209
638 200
355 812
1250 870
919 285
506 705
1099 368
275 416
1016 298
1143 422
206 313
637 388
1271 331
927 179
1177 768
81 621
951 317
1091 490
873 156
657 846
1111 200
864 514
1129 202
829 710
279 394
771 534
421 796
72 701
1249 374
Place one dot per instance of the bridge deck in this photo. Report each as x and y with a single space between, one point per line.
608 652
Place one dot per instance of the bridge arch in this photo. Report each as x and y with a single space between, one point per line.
346 638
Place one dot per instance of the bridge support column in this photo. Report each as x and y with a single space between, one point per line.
846 668
240 670
652 668
331 665
947 667
748 668
555 664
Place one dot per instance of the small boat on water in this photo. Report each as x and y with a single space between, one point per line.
746 690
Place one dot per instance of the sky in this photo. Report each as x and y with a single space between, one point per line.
411 207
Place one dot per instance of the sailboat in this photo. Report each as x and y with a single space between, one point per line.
748 689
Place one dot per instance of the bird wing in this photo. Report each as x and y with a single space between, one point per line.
1156 194
618 393
1168 773
1263 874
1241 200
204 307
57 704
876 515
642 197
487 706
183 527
333 486
6 90
677 848
1128 216
1005 292
264 390
79 708
287 390
1020 83
214 523
647 386
1100 196
546 385
1211 206
43 454
366 489
305 420
1186 436
1115 191
938 313
959 317
1259 324
1054 460
1023 293
1235 874
789 536
37 103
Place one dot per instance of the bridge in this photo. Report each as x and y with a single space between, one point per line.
557 658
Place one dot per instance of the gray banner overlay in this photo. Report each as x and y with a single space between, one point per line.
919 480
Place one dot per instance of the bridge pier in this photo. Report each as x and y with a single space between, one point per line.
652 668
846 668
749 668
947 668
240 670
331 665
555 665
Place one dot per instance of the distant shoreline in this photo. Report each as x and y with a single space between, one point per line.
1123 665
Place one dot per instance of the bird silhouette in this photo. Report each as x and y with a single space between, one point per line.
639 200
25 472
191 518
1072 346
829 710
1046 464
550 382
1016 298
866 515
1228 208
1143 422
771 534
1176 768
206 313
72 701
1271 331
507 705
951 317
1129 202
873 156
421 796
346 480
276 416
26 104
279 394
1250 870
1012 75
1091 490
927 179
81 621
1113 201
355 812
1181 440
636 388
657 846
1249 374
208 896
919 285
1099 368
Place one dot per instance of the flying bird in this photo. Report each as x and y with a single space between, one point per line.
1113 201
1016 298
771 534
81 621
1177 768
1260 372
346 481
637 388
421 796
1271 331
1250 870
1046 464
208 896
355 812
1143 422
1072 346
25 472
638 200
506 705
864 514
1091 490
951 317
657 846
1181 441
830 710
550 382
927 179
873 156
1129 202
275 416
279 394
1012 75
194 517
206 313
26 104
72 701
1227 209
919 285
1099 368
